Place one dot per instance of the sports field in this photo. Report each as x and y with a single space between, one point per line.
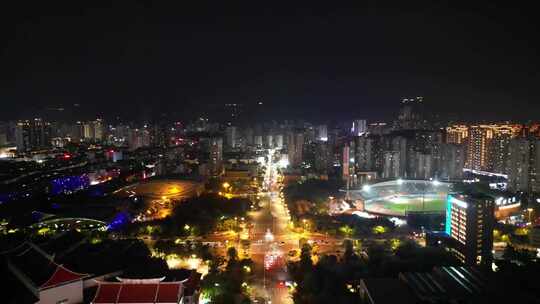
399 205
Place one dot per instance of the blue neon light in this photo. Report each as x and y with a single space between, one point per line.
118 221
69 184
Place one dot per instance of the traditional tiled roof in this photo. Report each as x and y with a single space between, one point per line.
107 293
39 269
118 292
138 293
62 275
168 292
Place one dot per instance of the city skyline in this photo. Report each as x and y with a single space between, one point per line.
245 152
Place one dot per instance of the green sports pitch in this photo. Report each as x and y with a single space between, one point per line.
400 205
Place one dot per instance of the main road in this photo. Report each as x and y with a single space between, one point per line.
271 240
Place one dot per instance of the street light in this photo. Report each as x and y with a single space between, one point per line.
530 211
304 221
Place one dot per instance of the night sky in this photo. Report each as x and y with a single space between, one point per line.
132 58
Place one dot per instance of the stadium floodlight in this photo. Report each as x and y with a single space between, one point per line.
366 187
399 181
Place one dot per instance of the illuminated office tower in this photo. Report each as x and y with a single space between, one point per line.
469 224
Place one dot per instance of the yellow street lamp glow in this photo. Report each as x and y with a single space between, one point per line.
163 197
226 185
186 227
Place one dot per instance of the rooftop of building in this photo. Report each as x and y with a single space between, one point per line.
146 291
38 268
446 283
387 290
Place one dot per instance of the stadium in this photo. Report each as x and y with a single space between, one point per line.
399 197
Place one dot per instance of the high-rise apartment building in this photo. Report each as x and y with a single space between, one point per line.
451 160
93 130
424 166
295 146
231 134
258 140
216 155
411 114
138 138
477 147
469 224
523 165
269 141
278 140
499 152
322 133
32 134
485 145
359 127
391 164
457 134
